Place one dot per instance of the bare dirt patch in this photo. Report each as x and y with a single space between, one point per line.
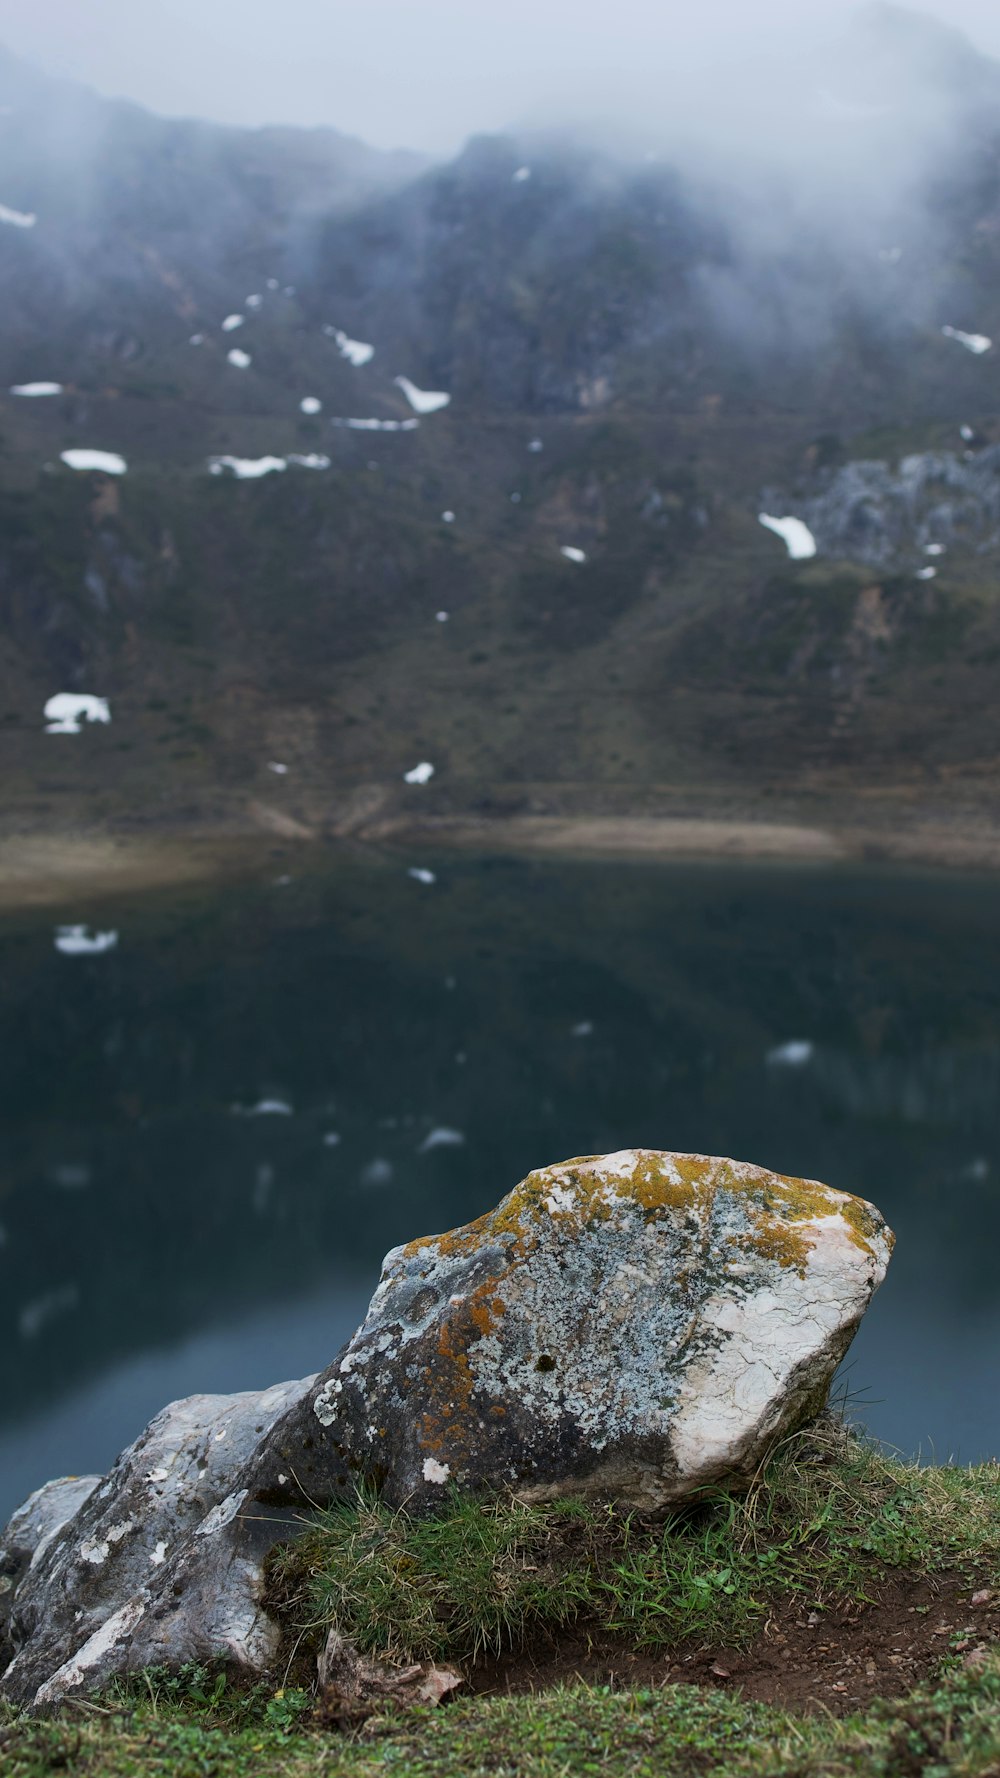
836 1656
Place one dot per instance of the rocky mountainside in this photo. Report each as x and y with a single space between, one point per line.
465 463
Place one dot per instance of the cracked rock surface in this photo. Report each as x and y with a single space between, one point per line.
637 1326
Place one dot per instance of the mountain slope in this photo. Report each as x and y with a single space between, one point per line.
641 356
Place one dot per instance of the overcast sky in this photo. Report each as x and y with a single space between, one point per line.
415 73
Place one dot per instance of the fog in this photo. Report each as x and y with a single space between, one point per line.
427 75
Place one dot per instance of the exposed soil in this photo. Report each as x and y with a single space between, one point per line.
835 1657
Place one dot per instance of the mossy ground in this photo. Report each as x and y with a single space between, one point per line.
529 1599
949 1728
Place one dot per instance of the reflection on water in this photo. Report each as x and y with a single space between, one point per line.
214 1130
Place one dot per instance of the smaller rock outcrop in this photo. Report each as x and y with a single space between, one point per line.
638 1326
85 1557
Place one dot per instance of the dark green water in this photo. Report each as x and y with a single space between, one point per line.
156 1241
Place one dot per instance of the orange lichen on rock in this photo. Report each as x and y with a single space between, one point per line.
590 1188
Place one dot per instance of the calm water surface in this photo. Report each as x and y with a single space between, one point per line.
213 1131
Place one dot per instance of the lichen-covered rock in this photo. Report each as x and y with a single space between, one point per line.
86 1558
638 1325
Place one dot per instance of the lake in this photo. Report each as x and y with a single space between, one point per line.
214 1126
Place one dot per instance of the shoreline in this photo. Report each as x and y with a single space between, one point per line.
54 869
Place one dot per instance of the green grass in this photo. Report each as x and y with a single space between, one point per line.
828 1516
952 1727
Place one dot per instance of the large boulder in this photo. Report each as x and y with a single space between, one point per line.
638 1326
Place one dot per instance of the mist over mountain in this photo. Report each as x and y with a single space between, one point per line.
554 584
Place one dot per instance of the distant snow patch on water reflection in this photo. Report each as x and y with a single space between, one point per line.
264 1108
79 941
36 1316
584 1029
70 1176
67 709
422 401
240 360
793 1054
570 552
17 218
276 766
973 342
331 1139
420 875
442 1137
421 774
311 404
794 533
377 1172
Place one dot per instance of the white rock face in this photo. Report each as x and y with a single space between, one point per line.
66 710
108 462
89 1556
794 533
357 352
423 401
377 425
246 469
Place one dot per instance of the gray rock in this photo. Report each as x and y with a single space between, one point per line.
27 1537
638 1325
886 516
101 1550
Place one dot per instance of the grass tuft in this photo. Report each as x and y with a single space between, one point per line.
828 1516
